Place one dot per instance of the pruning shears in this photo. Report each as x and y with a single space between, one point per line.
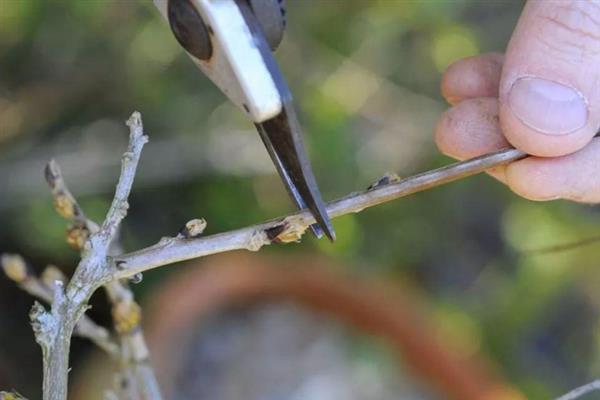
232 42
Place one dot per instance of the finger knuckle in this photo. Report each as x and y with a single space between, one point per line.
571 29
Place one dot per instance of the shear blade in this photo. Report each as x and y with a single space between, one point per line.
283 139
284 144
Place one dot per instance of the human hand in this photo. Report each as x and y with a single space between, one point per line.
542 97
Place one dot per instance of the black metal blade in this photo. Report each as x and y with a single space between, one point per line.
287 152
289 184
283 139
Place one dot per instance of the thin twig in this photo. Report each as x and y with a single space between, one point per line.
119 206
581 391
11 396
290 228
558 248
135 366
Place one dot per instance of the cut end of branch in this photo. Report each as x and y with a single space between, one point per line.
44 326
134 120
290 230
136 127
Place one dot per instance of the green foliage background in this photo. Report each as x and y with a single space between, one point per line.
366 76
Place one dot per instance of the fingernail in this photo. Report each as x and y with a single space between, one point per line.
546 106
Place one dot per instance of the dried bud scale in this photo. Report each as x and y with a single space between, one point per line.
137 278
127 316
14 267
193 228
77 236
11 396
386 179
64 205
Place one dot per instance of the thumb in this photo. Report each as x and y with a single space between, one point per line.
550 85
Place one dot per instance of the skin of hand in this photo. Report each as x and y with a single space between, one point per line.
542 96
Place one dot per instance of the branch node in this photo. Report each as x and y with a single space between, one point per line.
386 179
165 240
77 235
120 265
127 156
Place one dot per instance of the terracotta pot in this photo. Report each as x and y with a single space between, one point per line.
378 308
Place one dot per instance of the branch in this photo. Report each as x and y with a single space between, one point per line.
136 373
581 391
54 329
16 269
292 227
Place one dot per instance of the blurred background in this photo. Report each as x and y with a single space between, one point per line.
365 75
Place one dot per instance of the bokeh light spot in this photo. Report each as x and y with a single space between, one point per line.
451 45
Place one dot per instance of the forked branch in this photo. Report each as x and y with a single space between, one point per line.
54 328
